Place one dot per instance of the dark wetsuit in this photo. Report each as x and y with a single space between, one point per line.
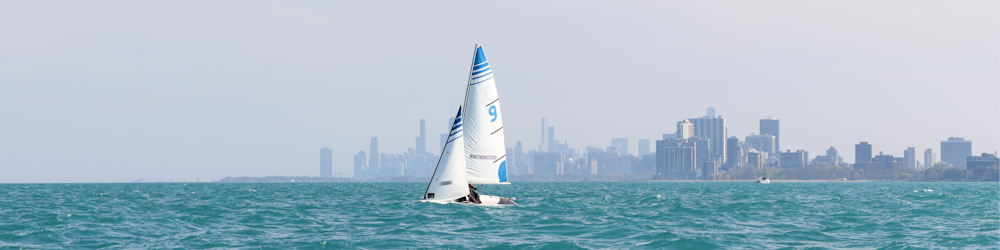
472 192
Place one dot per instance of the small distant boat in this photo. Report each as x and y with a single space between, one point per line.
480 156
763 180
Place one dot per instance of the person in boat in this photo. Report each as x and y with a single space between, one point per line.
473 194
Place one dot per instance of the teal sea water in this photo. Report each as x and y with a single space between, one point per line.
681 215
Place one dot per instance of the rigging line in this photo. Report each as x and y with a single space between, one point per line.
498 130
491 103
501 157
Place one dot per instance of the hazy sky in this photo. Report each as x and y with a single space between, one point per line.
109 91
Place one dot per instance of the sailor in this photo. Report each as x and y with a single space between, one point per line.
472 192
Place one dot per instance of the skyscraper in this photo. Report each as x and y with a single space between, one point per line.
552 139
769 126
795 159
955 150
643 147
545 125
325 162
714 129
862 154
374 163
762 143
929 158
621 144
734 154
360 168
422 140
910 155
685 129
519 162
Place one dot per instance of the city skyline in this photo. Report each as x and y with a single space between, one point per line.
104 92
686 154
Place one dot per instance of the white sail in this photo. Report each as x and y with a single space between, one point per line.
485 151
448 182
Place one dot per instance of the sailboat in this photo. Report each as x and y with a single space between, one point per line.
478 157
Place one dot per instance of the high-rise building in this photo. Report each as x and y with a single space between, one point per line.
676 158
545 125
374 162
955 150
714 129
984 168
422 140
795 159
520 164
769 126
685 129
643 147
621 144
862 153
762 143
929 158
734 154
325 162
360 168
830 159
711 112
669 136
832 153
910 155
553 144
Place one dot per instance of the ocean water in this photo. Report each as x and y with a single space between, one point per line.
580 215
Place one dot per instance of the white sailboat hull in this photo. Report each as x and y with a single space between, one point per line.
485 199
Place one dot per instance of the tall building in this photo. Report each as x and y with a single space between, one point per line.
422 140
762 143
711 112
643 147
985 167
325 162
769 126
676 158
734 154
830 159
374 162
360 168
553 144
910 155
929 158
795 159
955 150
685 129
714 129
545 125
518 158
862 153
669 136
621 144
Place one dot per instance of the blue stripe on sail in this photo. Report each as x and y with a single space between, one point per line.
457 120
480 71
456 132
484 75
456 126
477 67
503 171
487 79
480 57
453 139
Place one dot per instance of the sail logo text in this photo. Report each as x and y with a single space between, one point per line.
483 157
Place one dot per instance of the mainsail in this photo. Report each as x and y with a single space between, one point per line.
448 182
485 151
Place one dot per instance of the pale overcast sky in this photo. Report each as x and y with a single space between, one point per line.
108 91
